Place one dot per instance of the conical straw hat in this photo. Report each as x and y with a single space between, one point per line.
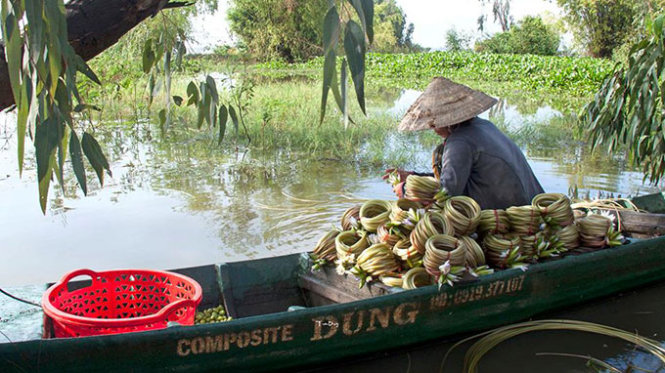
444 103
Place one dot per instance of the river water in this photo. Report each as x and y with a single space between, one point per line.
180 201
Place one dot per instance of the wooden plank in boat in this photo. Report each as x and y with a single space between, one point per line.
641 224
327 284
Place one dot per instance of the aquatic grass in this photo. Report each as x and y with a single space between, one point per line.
565 83
285 116
281 118
579 76
282 121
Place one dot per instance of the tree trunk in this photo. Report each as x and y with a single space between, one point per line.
93 26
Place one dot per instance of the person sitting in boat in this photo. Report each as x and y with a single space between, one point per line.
475 159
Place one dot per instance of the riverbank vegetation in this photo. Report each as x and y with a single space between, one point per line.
282 109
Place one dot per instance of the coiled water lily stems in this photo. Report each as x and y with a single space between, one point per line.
494 221
503 251
463 213
374 214
325 250
569 237
554 208
434 235
407 253
421 188
377 260
475 257
441 196
396 282
351 218
597 231
350 244
416 278
529 247
432 223
524 220
389 234
400 212
448 258
442 248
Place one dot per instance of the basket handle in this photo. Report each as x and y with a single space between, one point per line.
79 272
172 307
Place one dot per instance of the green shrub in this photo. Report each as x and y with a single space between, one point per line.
530 36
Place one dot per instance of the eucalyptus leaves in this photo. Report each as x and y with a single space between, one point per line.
42 69
629 109
336 26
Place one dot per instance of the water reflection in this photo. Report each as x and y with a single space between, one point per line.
179 201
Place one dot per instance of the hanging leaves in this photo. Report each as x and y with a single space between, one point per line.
42 70
331 30
223 117
368 11
148 56
365 11
355 38
77 162
354 45
93 152
177 100
234 119
211 110
629 108
193 96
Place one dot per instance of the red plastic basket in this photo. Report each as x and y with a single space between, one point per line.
121 301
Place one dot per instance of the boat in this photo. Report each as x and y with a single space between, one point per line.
285 316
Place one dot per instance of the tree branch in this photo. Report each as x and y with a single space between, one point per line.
93 26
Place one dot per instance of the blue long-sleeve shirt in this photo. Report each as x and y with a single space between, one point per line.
481 162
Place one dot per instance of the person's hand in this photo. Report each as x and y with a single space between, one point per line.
400 174
399 189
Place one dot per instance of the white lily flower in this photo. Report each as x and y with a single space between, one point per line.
445 267
607 214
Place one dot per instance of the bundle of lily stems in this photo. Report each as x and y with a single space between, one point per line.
430 237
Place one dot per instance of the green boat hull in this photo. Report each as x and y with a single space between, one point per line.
310 336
